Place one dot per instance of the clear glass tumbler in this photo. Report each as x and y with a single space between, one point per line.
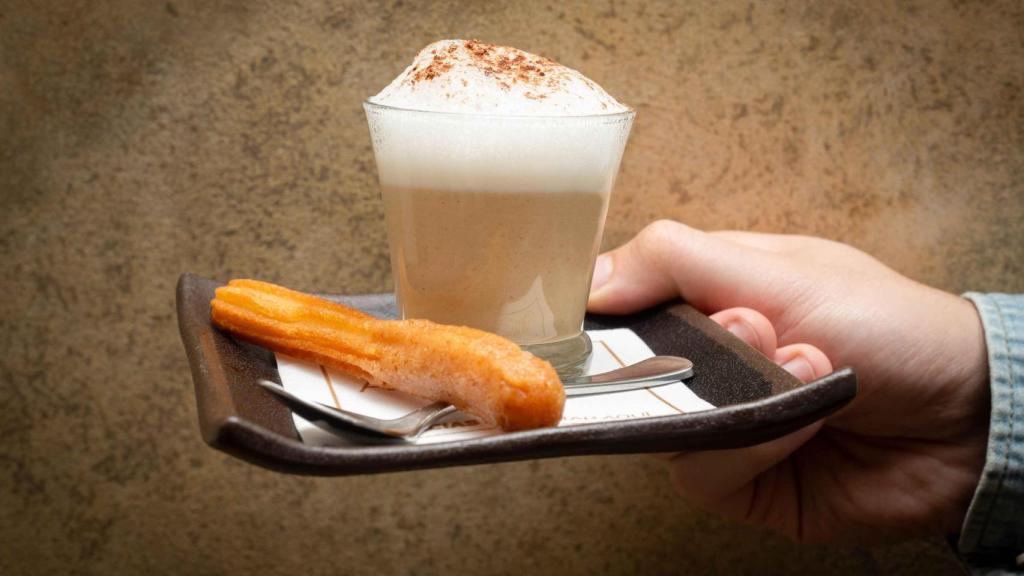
494 222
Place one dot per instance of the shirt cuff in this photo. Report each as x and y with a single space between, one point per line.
993 530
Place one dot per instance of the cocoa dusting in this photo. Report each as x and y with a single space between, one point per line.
470 75
439 64
505 65
509 65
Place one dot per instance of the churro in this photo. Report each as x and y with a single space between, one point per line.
478 372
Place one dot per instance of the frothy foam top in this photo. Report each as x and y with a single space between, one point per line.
468 76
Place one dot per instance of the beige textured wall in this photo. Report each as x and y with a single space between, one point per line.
139 140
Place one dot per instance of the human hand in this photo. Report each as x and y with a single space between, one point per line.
903 458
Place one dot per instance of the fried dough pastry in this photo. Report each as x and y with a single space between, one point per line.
479 372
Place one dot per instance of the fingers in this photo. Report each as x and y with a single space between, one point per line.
743 483
753 484
668 259
750 326
804 361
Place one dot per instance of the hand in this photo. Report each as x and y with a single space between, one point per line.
903 458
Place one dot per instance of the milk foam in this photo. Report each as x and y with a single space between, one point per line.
468 76
510 121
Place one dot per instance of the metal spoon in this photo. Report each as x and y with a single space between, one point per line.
656 371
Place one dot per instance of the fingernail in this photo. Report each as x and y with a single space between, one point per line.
602 272
799 366
745 332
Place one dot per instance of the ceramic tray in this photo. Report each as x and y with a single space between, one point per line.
756 400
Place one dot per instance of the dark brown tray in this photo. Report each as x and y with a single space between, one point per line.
756 400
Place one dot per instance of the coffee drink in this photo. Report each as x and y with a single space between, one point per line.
496 167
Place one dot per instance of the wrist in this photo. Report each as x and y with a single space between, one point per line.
972 379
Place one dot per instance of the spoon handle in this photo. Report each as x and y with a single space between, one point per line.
573 390
655 368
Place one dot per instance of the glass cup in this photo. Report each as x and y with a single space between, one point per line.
494 222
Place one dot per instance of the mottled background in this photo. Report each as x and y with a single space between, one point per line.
139 140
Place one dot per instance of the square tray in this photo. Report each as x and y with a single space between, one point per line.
756 400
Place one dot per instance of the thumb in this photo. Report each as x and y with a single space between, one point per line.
668 259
